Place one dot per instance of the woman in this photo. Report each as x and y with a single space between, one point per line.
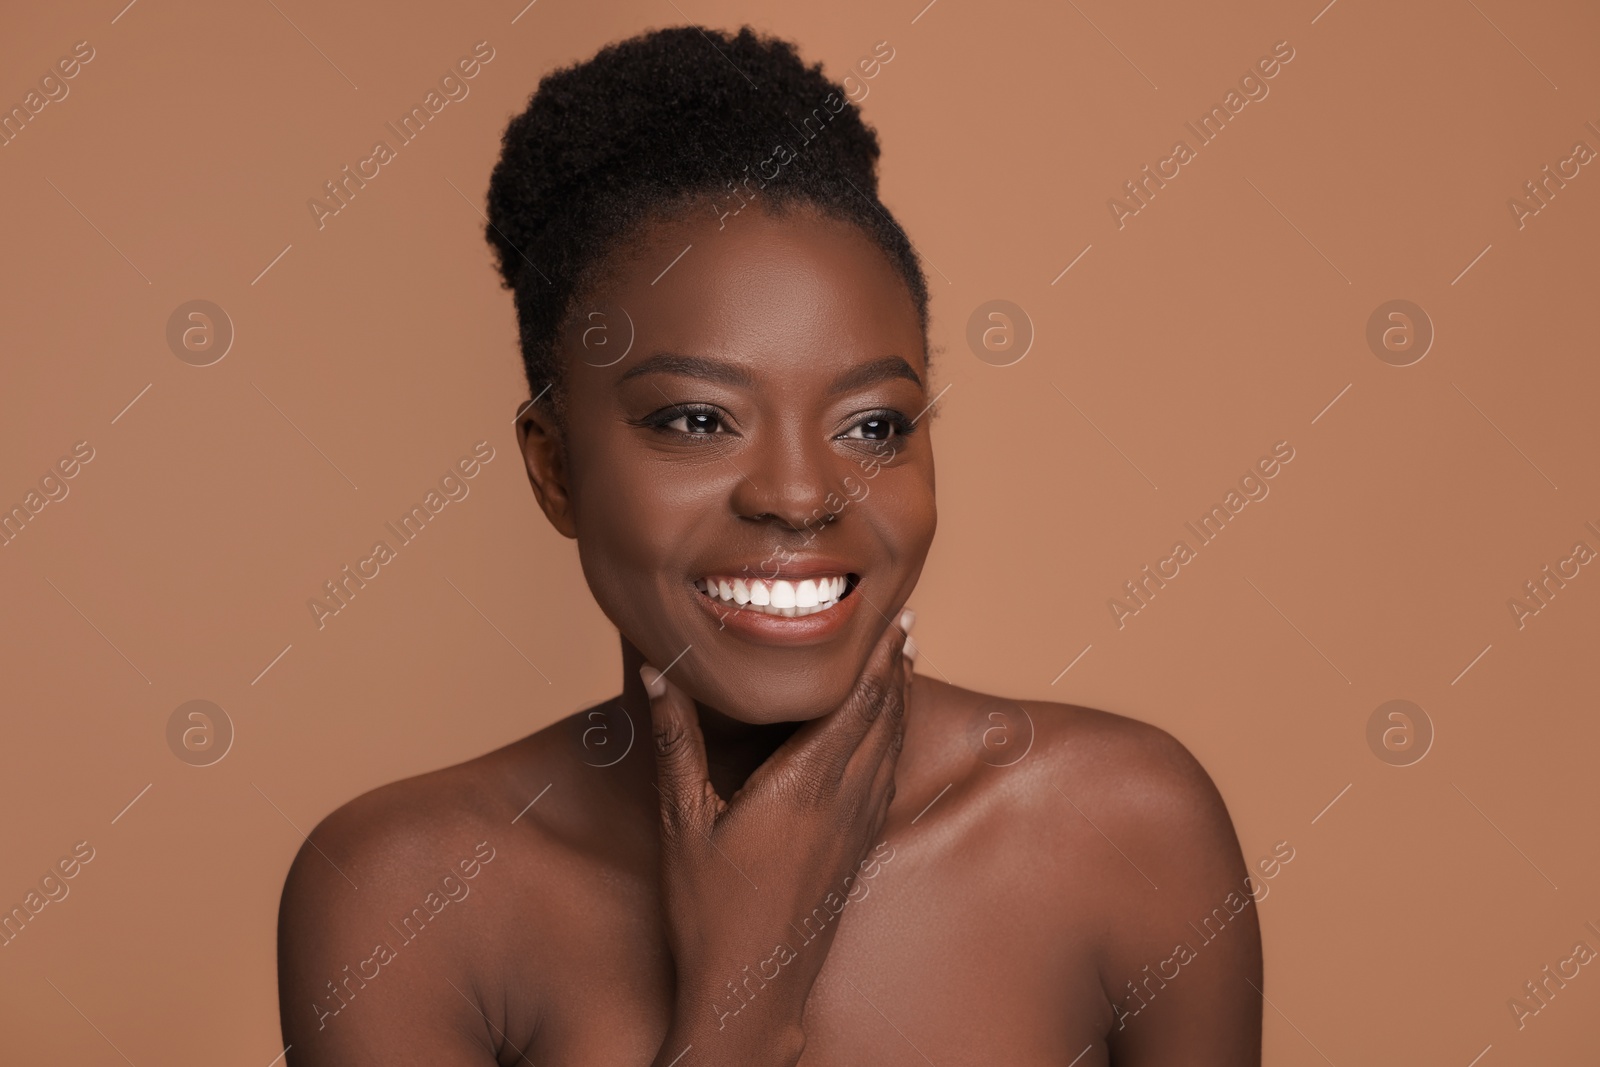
810 856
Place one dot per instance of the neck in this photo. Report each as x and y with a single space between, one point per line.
734 749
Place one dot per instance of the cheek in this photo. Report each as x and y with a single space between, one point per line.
625 527
617 513
921 503
625 548
904 515
633 524
927 524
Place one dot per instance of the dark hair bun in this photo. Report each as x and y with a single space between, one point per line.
649 126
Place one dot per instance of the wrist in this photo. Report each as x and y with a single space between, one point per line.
764 1032
706 1046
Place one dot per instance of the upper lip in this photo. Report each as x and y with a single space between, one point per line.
794 570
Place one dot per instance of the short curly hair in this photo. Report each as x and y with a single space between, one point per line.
647 129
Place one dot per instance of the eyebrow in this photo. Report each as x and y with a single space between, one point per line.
691 367
879 370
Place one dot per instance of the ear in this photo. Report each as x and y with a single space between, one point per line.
544 454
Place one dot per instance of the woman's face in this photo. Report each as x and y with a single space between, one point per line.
757 439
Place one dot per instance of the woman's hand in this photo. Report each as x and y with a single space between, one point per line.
740 878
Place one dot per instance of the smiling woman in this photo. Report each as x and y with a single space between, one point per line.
751 490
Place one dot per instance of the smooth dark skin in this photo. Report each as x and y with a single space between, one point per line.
1008 916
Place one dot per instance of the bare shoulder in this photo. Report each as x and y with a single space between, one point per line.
1089 791
1125 847
405 888
1138 774
397 824
407 824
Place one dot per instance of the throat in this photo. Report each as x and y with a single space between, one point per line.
734 750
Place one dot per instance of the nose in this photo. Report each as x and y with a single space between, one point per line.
788 479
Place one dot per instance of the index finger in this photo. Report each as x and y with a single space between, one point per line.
681 774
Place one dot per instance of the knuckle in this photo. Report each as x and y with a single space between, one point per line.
813 789
897 705
871 697
680 815
669 737
671 827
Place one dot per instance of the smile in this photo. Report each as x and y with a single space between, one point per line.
777 596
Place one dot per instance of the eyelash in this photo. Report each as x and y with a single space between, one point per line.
902 426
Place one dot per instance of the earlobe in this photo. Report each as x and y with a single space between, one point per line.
544 455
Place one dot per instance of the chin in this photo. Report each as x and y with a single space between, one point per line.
789 699
787 646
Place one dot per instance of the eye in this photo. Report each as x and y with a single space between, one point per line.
880 426
691 420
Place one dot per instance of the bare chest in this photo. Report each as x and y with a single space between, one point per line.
938 958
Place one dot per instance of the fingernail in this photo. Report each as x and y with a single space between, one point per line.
908 619
655 683
910 649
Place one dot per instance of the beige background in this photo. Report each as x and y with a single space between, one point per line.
1224 317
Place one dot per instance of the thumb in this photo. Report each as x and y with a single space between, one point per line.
681 774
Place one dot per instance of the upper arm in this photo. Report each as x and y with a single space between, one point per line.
371 967
1181 950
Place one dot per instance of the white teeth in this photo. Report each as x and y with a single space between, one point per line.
777 596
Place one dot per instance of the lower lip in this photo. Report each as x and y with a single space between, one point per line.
779 629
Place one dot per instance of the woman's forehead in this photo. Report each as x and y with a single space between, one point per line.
760 290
